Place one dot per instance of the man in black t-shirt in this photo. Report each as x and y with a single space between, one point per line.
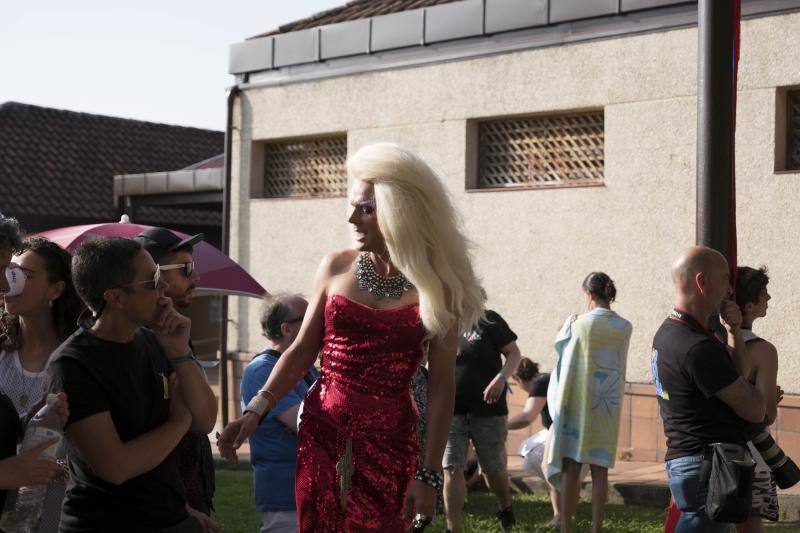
127 411
480 415
701 392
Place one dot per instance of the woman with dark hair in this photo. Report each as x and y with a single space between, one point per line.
536 384
752 297
27 468
32 325
585 396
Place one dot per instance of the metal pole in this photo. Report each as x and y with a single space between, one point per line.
715 126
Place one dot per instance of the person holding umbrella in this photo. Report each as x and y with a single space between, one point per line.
195 460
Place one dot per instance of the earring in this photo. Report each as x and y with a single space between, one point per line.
50 302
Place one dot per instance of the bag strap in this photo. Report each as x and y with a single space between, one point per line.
705 471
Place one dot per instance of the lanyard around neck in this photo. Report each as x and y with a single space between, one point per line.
691 322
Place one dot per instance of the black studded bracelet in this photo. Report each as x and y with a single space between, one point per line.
433 478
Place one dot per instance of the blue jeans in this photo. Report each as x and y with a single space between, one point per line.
690 496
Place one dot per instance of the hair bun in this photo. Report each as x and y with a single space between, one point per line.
600 285
610 291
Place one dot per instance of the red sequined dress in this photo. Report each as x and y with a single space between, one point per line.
357 450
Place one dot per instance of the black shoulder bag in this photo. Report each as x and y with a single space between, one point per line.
729 469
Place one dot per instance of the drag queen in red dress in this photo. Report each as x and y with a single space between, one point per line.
407 288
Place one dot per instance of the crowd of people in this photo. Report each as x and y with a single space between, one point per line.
363 407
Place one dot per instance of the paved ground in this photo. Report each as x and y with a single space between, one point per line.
639 483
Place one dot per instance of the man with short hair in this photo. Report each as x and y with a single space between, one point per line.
127 409
273 446
175 260
699 381
481 378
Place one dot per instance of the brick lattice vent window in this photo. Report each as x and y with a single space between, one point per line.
541 152
793 131
306 168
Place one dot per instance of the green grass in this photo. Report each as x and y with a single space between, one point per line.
233 501
236 513
534 512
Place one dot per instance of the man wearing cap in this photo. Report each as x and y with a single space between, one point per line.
195 461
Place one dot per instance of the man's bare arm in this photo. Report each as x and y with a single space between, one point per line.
533 406
97 440
745 400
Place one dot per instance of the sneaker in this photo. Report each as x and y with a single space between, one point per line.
507 520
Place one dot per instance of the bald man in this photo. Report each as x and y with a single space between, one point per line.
701 392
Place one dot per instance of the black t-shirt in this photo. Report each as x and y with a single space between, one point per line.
129 380
10 433
478 362
689 367
196 465
539 390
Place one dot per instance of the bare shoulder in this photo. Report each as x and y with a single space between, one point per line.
337 262
762 350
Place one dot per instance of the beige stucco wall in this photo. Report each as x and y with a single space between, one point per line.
533 248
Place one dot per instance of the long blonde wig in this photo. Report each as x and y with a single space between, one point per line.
423 235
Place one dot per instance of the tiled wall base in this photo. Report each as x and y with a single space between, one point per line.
641 432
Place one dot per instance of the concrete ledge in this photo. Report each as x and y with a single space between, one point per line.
618 493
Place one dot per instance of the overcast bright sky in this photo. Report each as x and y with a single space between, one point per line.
157 60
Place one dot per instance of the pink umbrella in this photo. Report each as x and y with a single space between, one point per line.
219 274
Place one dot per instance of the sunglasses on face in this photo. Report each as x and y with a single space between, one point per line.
187 268
149 284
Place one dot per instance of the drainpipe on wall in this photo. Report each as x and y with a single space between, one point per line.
233 92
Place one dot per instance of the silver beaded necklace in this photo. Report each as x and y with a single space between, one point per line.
380 287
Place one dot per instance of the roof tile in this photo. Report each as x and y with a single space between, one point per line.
357 9
62 163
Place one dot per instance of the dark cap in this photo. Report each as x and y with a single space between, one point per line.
160 241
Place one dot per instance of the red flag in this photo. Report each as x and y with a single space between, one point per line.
673 514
